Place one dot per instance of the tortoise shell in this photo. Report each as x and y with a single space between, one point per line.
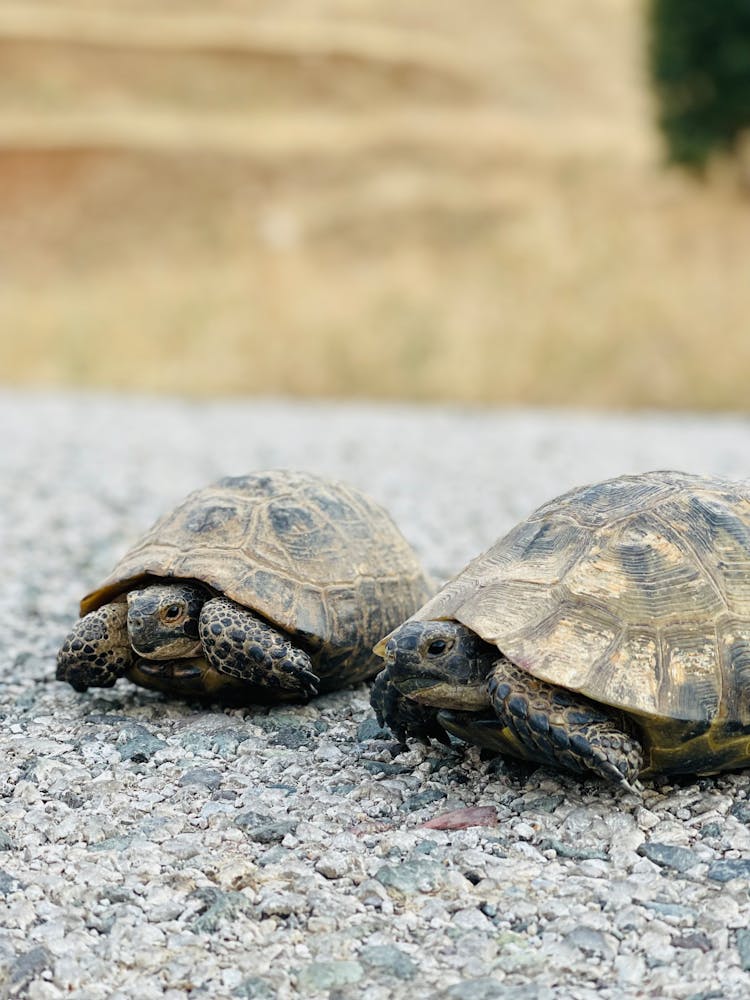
634 592
317 558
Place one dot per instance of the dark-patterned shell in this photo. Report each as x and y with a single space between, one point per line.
318 558
634 592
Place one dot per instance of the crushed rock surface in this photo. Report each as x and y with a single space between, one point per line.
155 848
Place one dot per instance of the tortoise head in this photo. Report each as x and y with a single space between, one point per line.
440 663
163 620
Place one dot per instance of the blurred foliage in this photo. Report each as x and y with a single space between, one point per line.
700 64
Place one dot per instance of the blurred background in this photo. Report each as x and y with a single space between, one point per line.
348 198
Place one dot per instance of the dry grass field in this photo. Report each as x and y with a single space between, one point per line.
430 201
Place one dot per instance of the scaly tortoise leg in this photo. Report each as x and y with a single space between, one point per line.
564 728
97 650
404 716
242 645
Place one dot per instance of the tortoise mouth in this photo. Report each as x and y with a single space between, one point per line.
438 692
413 686
153 648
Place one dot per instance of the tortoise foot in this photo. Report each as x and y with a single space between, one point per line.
244 647
96 651
564 729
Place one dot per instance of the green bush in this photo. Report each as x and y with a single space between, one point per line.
700 65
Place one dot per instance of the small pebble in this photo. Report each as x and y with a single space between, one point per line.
680 859
388 960
327 976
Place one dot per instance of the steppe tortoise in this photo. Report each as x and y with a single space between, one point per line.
608 633
265 587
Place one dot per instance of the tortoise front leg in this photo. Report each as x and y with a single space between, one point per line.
244 647
97 650
404 716
563 728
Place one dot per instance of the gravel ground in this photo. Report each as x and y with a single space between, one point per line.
156 849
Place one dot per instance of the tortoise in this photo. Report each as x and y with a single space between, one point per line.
268 587
608 633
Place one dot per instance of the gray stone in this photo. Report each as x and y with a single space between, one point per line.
227 740
371 729
728 868
107 719
422 799
264 832
630 969
543 803
321 977
345 788
389 960
741 811
207 777
283 904
141 748
6 842
119 843
116 894
220 906
591 941
72 799
26 967
274 855
574 853
412 877
425 847
668 856
676 910
333 864
255 988
382 767
486 989
742 940
8 883
207 742
292 737
695 939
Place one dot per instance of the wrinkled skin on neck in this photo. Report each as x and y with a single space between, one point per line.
440 663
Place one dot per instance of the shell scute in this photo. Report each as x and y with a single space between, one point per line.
734 651
210 519
718 530
643 571
690 675
631 672
567 647
602 503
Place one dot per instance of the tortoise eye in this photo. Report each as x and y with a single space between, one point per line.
172 612
436 647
